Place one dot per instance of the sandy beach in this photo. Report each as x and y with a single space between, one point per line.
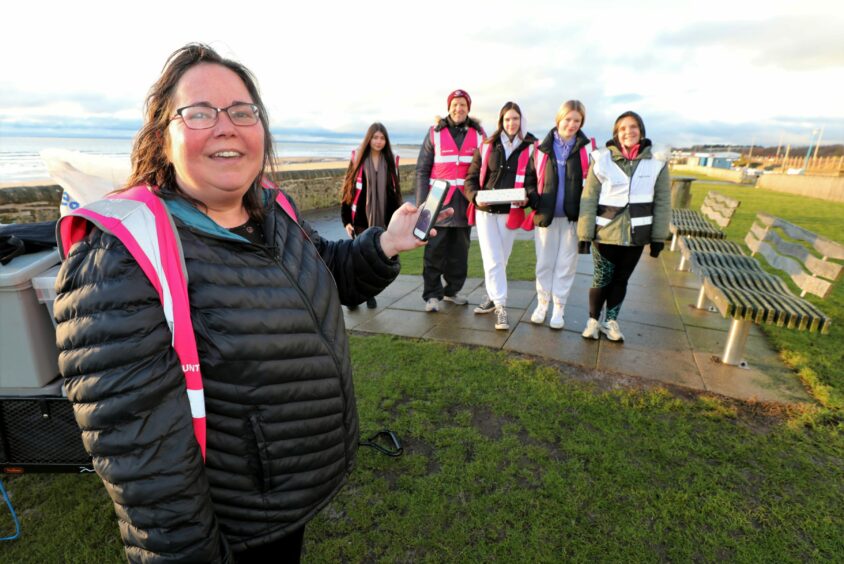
312 163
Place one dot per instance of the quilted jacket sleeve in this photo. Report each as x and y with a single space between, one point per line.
129 398
473 178
588 206
424 166
359 266
662 206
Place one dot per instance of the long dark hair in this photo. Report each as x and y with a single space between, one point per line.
504 109
348 189
150 164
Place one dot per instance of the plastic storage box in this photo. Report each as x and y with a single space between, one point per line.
45 289
28 355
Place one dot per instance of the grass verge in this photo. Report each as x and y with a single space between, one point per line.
508 459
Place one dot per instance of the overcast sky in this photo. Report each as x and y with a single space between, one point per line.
698 72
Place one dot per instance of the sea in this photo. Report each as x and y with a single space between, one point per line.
20 159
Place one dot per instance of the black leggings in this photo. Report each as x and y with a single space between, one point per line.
613 266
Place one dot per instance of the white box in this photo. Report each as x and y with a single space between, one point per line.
504 196
28 355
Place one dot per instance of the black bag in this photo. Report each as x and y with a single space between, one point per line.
25 238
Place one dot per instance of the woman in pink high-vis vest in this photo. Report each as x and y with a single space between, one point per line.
222 454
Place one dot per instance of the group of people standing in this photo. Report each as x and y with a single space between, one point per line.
610 201
199 327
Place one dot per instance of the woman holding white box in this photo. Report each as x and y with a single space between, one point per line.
501 164
556 176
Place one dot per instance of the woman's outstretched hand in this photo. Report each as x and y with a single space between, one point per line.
399 234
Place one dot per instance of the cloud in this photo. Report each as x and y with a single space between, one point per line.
794 43
32 102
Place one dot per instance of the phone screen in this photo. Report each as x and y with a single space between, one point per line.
429 209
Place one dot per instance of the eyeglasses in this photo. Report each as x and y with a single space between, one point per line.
204 117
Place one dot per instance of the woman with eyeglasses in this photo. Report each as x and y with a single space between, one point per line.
219 442
371 192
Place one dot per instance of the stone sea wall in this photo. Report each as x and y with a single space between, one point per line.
311 189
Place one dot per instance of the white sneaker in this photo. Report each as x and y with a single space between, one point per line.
538 315
591 331
557 321
611 330
456 299
432 305
501 318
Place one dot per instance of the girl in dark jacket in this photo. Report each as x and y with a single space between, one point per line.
504 149
281 428
556 205
371 191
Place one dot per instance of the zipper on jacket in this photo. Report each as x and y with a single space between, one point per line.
263 456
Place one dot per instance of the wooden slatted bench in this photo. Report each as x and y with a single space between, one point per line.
715 214
742 291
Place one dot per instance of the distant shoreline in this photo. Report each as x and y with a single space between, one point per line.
284 163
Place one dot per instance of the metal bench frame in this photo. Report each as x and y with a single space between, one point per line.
716 208
743 291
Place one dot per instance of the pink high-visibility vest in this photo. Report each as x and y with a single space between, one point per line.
141 221
359 185
516 216
540 162
451 163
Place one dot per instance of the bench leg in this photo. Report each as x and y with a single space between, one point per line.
736 339
683 266
673 243
701 298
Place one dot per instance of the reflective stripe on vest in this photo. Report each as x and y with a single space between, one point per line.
359 185
451 163
618 191
517 213
521 166
141 221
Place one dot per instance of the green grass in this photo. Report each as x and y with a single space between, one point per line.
818 359
507 459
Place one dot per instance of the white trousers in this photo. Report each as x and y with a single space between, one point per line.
556 259
496 242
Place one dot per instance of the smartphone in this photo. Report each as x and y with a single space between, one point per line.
430 210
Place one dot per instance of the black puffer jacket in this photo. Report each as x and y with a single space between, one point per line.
425 163
280 404
544 203
501 172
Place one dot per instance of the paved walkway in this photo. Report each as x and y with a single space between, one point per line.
667 340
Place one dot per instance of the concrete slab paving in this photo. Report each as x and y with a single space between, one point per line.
666 340
468 336
398 322
563 346
757 383
646 337
672 367
758 352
